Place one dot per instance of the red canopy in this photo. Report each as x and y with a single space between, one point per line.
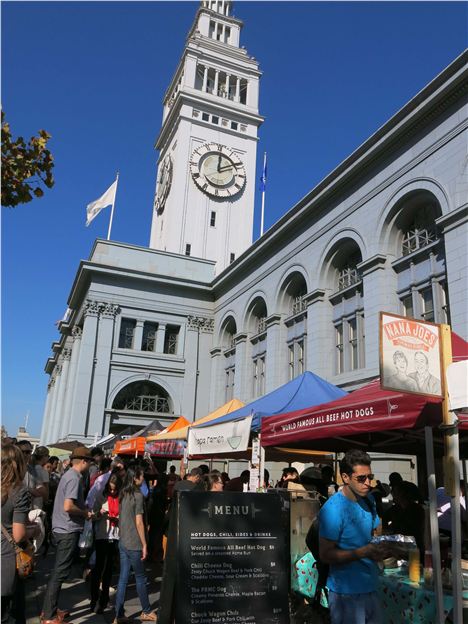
371 415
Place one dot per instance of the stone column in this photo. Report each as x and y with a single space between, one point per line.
52 428
276 372
320 336
76 334
138 336
216 82
227 85
46 417
205 78
100 381
241 385
160 337
84 372
59 415
379 286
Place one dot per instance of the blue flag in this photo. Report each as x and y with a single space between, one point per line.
263 179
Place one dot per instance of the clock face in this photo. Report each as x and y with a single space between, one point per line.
217 170
164 183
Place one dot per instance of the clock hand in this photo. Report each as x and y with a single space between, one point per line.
219 164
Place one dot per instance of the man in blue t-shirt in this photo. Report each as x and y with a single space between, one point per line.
346 524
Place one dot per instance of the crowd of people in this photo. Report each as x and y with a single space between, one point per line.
110 515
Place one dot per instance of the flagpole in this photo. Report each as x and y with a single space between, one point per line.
263 196
112 211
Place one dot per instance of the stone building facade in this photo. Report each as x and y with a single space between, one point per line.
155 333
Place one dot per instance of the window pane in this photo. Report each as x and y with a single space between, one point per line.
339 348
353 343
408 306
291 361
445 306
148 342
127 331
170 339
427 304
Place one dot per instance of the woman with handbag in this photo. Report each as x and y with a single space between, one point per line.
106 533
17 557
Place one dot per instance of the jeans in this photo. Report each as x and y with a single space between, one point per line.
102 571
66 544
354 608
131 560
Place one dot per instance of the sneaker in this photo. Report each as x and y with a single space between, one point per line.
149 617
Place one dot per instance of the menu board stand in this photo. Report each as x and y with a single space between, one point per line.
230 562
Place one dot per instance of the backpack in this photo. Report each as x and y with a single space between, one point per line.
312 541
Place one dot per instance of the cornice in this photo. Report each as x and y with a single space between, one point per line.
372 264
199 99
454 219
315 296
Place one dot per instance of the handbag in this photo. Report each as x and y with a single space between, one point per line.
24 556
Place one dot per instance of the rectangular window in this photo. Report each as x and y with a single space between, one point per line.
259 376
205 117
188 249
213 218
300 357
215 119
148 342
339 348
127 332
230 376
427 302
353 344
171 338
234 125
291 361
408 309
232 257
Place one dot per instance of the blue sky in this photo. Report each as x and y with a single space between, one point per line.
93 75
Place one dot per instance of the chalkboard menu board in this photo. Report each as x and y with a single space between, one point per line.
232 559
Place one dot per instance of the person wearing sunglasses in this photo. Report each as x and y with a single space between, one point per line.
347 523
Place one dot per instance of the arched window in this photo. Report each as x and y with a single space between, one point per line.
256 325
143 396
228 332
348 308
420 264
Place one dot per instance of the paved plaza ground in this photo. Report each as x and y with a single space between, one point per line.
75 593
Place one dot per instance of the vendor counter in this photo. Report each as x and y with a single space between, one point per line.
403 602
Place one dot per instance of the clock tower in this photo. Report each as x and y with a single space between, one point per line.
205 188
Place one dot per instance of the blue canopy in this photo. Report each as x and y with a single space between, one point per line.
307 390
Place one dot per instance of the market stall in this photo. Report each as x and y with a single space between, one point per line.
380 420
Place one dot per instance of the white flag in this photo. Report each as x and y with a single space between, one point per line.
105 200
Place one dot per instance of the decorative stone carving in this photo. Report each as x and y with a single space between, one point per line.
76 332
201 323
66 354
92 308
58 370
109 310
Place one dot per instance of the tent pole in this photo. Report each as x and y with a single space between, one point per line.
452 440
434 526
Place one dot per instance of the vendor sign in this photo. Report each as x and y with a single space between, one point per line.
168 449
410 355
226 437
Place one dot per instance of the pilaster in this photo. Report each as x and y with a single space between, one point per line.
276 369
379 287
46 417
75 352
52 428
319 349
217 378
138 336
197 326
59 415
102 359
85 371
160 336
243 365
